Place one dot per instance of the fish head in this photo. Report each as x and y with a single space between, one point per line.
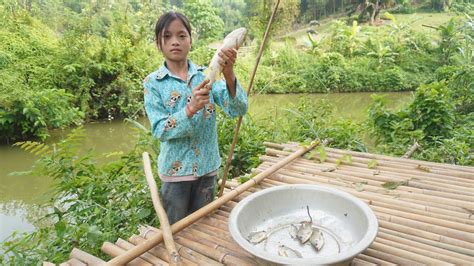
236 37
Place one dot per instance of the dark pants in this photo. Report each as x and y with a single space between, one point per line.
183 198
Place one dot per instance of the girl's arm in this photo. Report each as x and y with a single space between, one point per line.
164 125
233 106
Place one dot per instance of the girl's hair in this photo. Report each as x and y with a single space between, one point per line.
165 20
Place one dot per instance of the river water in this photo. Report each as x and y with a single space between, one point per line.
20 195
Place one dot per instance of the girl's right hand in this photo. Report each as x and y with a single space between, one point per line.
199 99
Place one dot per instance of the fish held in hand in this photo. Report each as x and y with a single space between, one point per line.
233 40
285 251
257 237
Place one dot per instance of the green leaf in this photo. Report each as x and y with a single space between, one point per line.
372 164
143 213
347 158
322 154
60 228
393 185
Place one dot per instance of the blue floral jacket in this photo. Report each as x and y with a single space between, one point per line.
188 145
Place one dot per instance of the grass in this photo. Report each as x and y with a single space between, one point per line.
416 20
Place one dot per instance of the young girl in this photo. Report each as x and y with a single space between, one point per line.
182 115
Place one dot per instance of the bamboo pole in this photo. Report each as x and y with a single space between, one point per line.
377 261
189 256
219 255
397 170
447 242
294 178
394 251
412 149
70 262
411 176
466 171
215 232
175 258
145 256
217 245
434 252
178 226
239 122
85 257
455 206
459 168
409 184
399 192
386 256
114 250
403 232
232 246
469 171
359 262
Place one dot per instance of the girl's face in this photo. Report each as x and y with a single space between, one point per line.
175 41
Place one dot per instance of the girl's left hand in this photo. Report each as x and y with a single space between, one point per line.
228 57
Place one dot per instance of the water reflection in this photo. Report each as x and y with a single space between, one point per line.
15 215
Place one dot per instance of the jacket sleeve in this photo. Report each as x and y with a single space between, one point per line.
233 107
165 126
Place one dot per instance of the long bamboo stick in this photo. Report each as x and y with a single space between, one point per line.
239 122
113 250
399 192
394 251
437 203
389 175
464 172
71 262
375 260
290 146
217 245
434 252
145 256
293 178
178 226
175 258
456 170
431 238
189 256
359 262
414 237
395 170
201 247
387 256
85 257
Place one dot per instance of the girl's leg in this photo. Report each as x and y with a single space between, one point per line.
202 192
175 197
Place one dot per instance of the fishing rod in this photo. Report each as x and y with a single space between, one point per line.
239 122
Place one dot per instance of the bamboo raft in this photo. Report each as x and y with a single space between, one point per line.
426 218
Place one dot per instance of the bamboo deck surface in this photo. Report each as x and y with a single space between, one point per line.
427 219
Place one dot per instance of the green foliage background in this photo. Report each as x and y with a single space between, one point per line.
63 63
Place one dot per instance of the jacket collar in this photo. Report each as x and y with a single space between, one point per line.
163 71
